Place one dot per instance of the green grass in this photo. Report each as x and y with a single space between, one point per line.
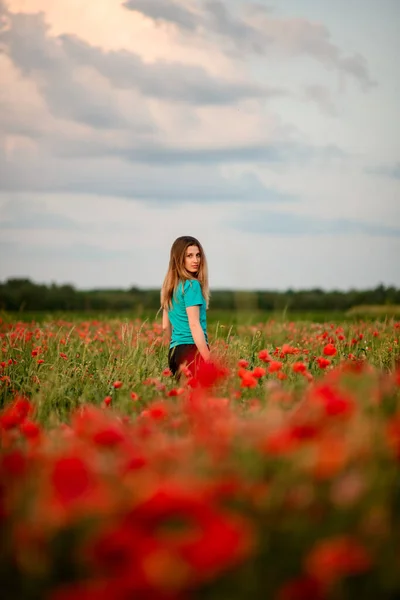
244 317
100 350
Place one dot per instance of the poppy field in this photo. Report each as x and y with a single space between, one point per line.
272 473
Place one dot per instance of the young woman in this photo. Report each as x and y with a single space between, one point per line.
184 300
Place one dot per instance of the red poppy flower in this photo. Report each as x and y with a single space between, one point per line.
258 372
287 349
30 429
158 411
109 436
264 355
334 558
15 413
323 362
334 401
330 350
248 379
70 478
209 540
209 373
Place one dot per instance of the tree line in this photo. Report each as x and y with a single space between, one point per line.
25 295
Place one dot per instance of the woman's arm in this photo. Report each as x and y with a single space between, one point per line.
193 313
166 325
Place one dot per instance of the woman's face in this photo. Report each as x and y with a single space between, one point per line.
192 259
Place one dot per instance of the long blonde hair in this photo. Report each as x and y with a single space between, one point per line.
177 272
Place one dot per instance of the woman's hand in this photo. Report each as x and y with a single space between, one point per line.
166 326
193 313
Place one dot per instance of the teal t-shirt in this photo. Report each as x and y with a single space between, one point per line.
186 294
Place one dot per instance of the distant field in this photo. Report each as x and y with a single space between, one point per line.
377 311
228 317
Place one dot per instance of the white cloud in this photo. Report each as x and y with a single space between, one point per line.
113 145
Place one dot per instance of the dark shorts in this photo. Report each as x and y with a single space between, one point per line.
184 353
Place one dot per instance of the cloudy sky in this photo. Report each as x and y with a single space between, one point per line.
270 130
